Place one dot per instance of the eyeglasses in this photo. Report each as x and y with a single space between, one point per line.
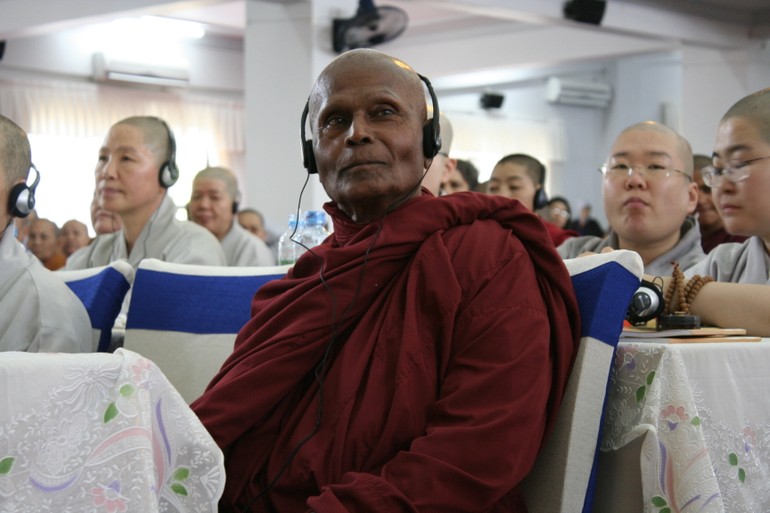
556 211
620 170
734 172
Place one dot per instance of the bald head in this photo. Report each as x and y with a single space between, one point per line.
374 62
73 236
755 108
682 148
15 154
222 174
155 133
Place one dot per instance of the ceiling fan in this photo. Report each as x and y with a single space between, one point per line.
369 27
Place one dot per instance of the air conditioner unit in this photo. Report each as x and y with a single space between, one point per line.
105 69
578 92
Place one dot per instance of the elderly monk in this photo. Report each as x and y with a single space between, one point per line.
397 367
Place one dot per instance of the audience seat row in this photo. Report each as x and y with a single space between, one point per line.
185 318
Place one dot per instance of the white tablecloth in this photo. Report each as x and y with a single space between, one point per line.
705 411
100 432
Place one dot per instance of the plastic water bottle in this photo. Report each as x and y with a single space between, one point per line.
288 250
315 228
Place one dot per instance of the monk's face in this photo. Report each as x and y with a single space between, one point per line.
127 173
367 117
743 204
73 236
42 239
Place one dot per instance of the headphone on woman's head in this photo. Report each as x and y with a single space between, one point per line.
21 199
169 172
541 198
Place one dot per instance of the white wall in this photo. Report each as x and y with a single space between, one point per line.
715 79
214 63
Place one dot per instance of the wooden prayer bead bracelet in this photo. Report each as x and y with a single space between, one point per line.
685 293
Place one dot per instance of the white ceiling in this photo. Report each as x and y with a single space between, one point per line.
516 33
749 17
229 16
629 26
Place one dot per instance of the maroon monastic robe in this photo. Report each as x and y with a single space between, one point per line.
449 328
720 236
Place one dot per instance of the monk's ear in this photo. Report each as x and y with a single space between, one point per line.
692 197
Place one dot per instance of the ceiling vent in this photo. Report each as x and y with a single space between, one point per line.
585 93
107 70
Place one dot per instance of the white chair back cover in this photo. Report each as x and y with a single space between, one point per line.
185 317
101 290
565 471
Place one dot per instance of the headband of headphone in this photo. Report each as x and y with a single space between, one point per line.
21 200
169 172
541 198
431 132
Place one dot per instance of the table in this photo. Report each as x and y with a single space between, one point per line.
100 432
687 428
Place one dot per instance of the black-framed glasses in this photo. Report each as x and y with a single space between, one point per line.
652 171
733 171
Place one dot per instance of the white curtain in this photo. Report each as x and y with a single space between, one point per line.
67 121
81 109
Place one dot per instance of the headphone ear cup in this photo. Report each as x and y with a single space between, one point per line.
164 176
169 174
21 200
430 143
646 304
541 199
308 157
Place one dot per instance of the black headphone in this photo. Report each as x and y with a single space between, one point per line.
431 132
21 200
236 202
541 198
647 303
169 172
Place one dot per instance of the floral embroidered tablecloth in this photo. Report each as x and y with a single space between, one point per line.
100 433
705 410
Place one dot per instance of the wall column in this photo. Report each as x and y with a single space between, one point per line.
278 76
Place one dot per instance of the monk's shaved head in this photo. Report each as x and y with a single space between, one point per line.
682 145
356 60
755 108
